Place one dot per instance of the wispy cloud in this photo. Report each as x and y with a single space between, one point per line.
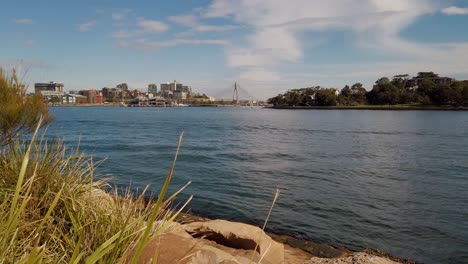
121 15
193 22
23 21
145 26
184 20
453 10
152 26
151 45
87 26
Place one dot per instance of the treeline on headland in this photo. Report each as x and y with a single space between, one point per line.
427 88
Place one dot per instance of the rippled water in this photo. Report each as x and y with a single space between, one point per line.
391 180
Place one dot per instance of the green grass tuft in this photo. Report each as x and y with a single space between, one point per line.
52 210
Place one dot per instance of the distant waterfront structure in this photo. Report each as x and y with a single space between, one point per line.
175 90
122 86
152 88
49 90
92 96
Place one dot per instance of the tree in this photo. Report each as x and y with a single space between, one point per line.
383 80
277 100
441 95
358 93
400 80
425 75
344 98
20 113
326 97
346 91
465 94
294 98
425 88
384 93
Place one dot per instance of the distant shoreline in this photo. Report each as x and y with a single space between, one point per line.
371 107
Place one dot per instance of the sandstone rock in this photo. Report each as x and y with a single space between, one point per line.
355 258
239 236
295 255
171 248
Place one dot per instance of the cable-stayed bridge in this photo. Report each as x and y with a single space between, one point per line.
234 93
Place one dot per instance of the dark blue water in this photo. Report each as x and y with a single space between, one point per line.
391 180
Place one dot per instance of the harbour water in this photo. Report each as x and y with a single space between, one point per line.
396 181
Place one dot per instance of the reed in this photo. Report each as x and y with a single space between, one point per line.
53 210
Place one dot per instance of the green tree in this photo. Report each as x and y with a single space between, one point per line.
326 97
400 80
20 113
294 98
426 75
442 95
465 94
277 100
346 91
358 93
384 93
383 80
344 98
425 88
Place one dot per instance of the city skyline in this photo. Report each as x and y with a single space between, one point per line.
267 46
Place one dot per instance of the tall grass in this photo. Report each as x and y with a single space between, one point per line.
53 211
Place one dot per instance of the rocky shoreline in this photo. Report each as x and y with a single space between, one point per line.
224 235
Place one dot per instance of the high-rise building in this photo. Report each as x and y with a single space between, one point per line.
152 88
122 86
165 87
176 90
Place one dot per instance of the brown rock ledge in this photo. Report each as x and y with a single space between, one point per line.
221 241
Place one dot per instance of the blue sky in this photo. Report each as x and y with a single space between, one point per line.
268 46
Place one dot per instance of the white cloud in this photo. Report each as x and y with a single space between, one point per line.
154 26
121 15
213 28
184 20
150 45
23 21
194 23
453 10
124 34
145 26
87 26
276 31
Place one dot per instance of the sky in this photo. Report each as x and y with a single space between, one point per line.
266 46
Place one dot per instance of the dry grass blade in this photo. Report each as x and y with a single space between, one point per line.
265 223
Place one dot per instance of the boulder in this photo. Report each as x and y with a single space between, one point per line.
239 236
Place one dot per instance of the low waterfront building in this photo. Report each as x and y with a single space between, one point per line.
74 99
180 95
93 97
49 91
